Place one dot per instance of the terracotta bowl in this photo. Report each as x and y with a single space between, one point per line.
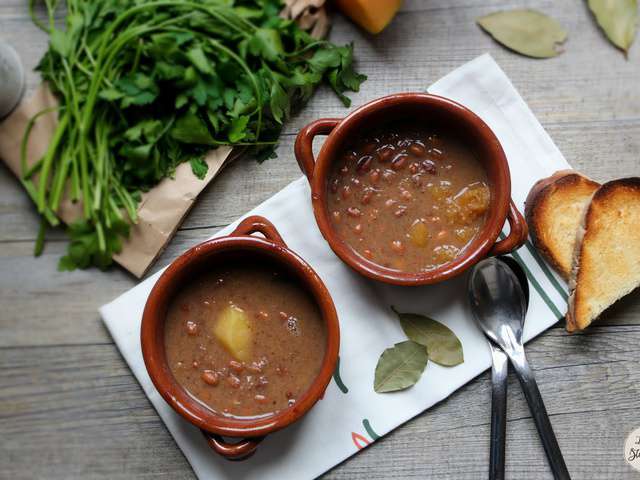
418 107
245 434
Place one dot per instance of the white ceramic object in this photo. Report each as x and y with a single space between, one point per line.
11 79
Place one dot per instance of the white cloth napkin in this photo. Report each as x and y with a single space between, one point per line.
351 415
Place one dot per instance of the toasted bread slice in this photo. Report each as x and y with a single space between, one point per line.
554 209
606 263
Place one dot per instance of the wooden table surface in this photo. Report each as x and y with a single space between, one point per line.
70 408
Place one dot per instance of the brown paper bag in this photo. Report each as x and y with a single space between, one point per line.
161 209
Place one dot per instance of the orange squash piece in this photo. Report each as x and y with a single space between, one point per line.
372 15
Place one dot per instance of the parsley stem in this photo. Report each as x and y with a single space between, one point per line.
39 245
26 172
48 160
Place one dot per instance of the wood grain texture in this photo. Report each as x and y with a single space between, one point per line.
69 407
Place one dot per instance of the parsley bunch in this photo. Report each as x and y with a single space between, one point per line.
145 85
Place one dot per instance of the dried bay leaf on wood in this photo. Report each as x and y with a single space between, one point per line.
525 31
400 367
618 19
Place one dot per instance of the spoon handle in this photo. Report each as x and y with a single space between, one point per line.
499 372
540 416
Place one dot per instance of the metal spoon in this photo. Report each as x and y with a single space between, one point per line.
499 374
499 306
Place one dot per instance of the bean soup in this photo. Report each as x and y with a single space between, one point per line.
245 340
407 198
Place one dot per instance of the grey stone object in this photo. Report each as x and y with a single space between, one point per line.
12 79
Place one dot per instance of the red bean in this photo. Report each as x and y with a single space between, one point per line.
374 176
192 328
358 228
195 364
399 161
354 212
435 152
364 164
344 170
334 186
414 168
366 196
210 378
367 253
283 315
262 315
236 366
417 149
385 153
336 216
233 381
429 167
390 202
345 192
388 175
406 194
260 399
402 209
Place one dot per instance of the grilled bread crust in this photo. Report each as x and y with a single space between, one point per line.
554 209
606 263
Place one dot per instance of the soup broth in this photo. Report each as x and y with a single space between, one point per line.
245 340
407 198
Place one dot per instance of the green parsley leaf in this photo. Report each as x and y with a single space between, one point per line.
199 167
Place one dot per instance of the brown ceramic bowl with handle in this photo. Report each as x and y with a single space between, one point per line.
245 433
414 107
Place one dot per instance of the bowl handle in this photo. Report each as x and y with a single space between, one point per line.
304 143
256 223
232 451
517 235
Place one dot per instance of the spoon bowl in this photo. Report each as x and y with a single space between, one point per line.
498 302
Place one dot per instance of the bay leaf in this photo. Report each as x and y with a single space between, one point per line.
443 346
525 31
618 19
400 367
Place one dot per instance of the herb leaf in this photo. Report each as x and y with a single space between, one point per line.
199 167
400 367
618 19
527 32
443 345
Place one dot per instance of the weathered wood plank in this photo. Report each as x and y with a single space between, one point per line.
75 411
